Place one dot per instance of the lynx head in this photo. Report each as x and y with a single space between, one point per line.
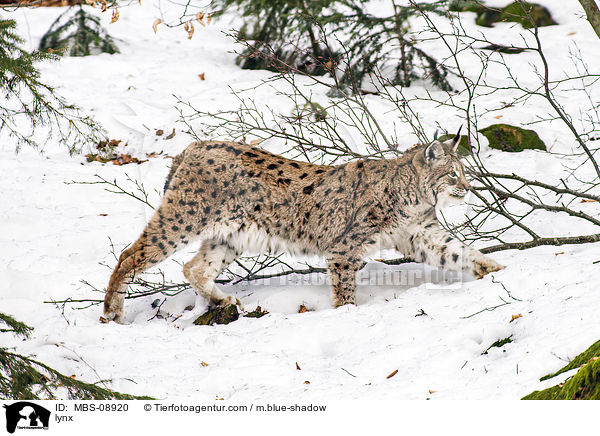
443 177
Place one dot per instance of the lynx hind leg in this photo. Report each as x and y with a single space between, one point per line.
343 280
159 240
210 261
136 259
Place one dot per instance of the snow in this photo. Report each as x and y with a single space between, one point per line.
57 233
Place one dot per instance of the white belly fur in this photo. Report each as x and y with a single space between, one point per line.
256 241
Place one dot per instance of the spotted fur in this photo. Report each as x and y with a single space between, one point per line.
235 197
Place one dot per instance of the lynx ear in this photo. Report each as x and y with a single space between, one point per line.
456 140
433 151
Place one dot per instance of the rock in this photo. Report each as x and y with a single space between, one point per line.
513 139
585 385
464 147
218 315
515 13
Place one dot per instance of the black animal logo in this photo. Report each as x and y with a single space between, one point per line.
26 414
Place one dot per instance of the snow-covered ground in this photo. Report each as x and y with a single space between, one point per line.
56 233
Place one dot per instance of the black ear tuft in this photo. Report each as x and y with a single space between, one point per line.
456 140
435 135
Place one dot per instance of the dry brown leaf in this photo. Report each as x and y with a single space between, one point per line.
571 33
208 18
298 367
306 382
302 308
103 5
512 318
171 135
103 214
203 363
189 28
431 391
560 252
115 16
392 374
200 17
498 116
255 142
201 75
159 132
588 200
155 24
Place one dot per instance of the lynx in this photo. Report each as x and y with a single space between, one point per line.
237 197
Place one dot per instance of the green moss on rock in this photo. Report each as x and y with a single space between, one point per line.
513 12
466 6
226 314
218 315
585 385
464 147
487 17
516 13
586 356
256 313
513 139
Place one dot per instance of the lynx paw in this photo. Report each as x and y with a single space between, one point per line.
113 308
111 316
485 266
227 300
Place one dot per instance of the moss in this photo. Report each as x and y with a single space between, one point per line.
256 313
466 6
464 147
515 13
513 139
226 314
16 327
487 17
22 378
586 356
585 385
218 315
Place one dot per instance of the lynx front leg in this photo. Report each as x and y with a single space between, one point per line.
343 280
214 256
438 248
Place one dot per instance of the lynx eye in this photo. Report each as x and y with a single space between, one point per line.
453 174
